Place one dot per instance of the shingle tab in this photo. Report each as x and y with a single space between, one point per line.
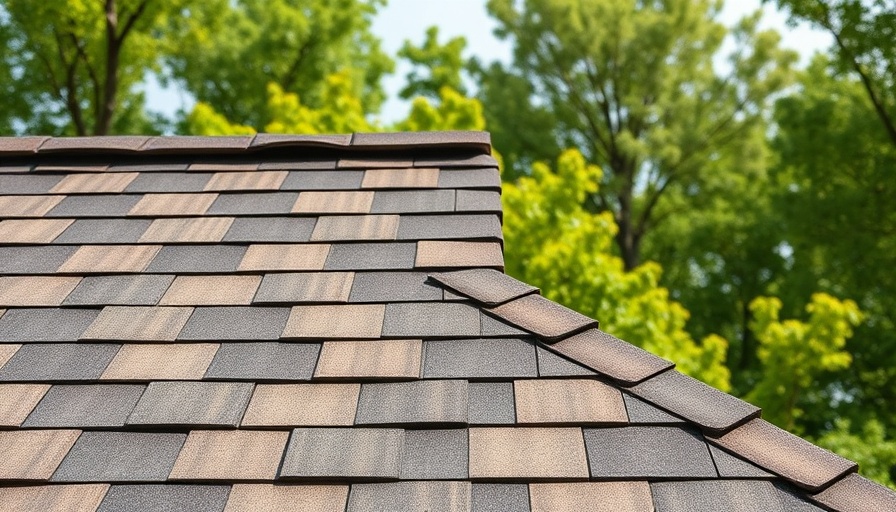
133 290
436 227
27 206
104 231
420 177
552 365
270 229
183 361
470 178
370 256
323 180
478 201
253 204
260 361
640 412
25 184
434 455
393 359
92 206
730 466
592 496
416 402
138 323
480 358
94 183
393 287
491 403
355 227
37 260
543 317
166 205
235 323
857 494
18 400
611 356
35 291
416 319
305 287
553 401
350 321
31 231
58 362
356 453
274 498
66 498
200 229
451 254
333 202
285 257
211 291
302 405
412 201
648 452
484 285
491 326
500 498
530 453
248 180
45 324
85 406
713 496
33 454
411 497
161 182
97 259
120 457
230 455
199 259
165 498
213 404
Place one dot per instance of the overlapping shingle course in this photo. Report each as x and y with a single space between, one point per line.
216 324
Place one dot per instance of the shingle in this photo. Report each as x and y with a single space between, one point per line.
154 167
454 140
36 260
211 291
730 466
302 405
201 229
197 259
479 358
45 324
104 231
31 231
371 256
416 319
457 159
412 201
221 166
35 290
592 496
302 164
183 361
213 404
17 401
27 206
323 180
94 206
410 497
393 287
434 455
544 317
133 290
478 201
110 258
120 457
421 177
356 227
335 453
85 406
165 498
552 365
695 401
397 164
491 403
166 205
334 202
445 254
648 452
300 141
611 356
58 362
470 178
257 203
785 454
7 350
500 498
235 323
250 180
233 455
169 182
416 402
552 401
261 361
104 145
271 229
349 321
305 287
640 412
285 257
485 285
274 498
857 494
138 323
365 359
531 453
109 182
713 496
195 143
25 184
61 498
491 326
33 454
436 227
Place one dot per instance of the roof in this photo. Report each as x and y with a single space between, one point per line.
322 323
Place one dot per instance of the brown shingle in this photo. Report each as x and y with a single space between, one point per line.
205 229
527 453
36 290
568 401
27 206
105 144
544 317
485 285
443 254
305 287
233 455
161 362
166 205
58 498
302 405
857 494
17 401
333 202
365 359
591 496
342 321
32 231
276 498
611 356
33 454
285 257
211 291
374 163
356 227
785 454
94 183
110 258
420 177
138 323
253 180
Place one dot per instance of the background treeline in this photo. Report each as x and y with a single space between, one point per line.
685 182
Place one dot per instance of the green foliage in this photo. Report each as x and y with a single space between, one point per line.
454 111
869 446
436 66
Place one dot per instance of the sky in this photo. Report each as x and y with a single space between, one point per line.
401 20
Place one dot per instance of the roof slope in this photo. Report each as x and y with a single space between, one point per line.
320 323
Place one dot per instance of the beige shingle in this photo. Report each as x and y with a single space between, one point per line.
276 498
285 257
333 202
527 453
36 290
33 454
440 253
211 290
17 401
204 229
421 177
161 362
94 183
356 227
7 349
110 258
568 401
591 496
57 498
350 321
138 323
32 231
162 205
27 206
365 359
250 180
230 455
297 405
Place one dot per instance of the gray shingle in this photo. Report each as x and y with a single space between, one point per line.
552 365
103 231
478 201
186 259
640 412
39 260
412 201
120 457
95 206
479 358
165 498
271 229
730 466
85 406
235 323
393 287
169 182
492 403
193 404
298 165
27 184
435 455
58 362
253 203
648 452
716 495
323 180
132 290
429 401
410 497
439 227
500 498
343 453
45 324
470 178
491 326
264 361
485 285
371 256
421 319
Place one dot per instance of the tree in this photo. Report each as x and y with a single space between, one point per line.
434 66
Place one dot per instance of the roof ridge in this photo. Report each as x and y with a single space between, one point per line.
727 421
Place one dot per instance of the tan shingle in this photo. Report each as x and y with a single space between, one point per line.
138 323
211 290
298 405
94 183
333 202
342 321
527 453
363 359
591 496
161 205
27 206
285 257
356 227
110 258
251 180
230 455
204 229
36 290
32 231
17 401
7 350
276 498
438 253
401 178
306 287
58 498
161 362
568 401
33 454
